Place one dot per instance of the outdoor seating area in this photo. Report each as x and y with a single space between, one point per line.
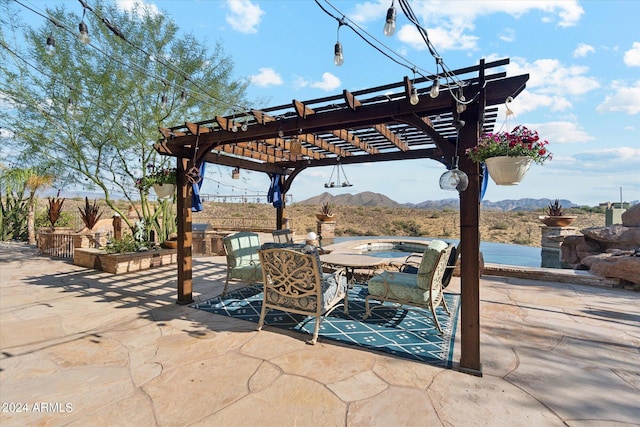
119 348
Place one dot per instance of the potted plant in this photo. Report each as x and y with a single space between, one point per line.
508 155
162 180
326 212
556 216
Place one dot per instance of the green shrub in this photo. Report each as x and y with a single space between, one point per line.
126 244
500 225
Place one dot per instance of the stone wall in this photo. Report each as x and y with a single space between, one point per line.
612 252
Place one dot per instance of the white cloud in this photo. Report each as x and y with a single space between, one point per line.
507 35
550 84
632 56
138 7
626 99
329 82
244 16
449 24
265 78
619 159
583 50
561 132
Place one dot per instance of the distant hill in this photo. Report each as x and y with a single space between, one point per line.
366 198
369 198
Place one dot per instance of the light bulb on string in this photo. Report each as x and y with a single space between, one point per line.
51 45
244 126
390 22
435 89
163 100
183 97
338 58
461 107
414 99
83 35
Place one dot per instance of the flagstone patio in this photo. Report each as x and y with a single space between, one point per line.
84 347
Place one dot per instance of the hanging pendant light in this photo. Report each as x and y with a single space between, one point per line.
455 179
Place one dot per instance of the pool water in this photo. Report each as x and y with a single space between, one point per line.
495 253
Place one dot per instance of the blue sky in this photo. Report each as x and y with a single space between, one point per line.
583 95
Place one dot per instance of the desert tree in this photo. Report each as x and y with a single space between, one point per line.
93 110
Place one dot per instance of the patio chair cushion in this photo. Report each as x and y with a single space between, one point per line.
401 286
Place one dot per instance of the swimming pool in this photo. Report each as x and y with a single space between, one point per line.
496 253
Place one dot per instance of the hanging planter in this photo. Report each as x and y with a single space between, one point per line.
505 170
163 181
508 155
164 190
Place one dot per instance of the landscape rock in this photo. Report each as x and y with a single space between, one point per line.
607 251
615 236
631 217
623 267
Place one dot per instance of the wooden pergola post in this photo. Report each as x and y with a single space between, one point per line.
184 218
470 245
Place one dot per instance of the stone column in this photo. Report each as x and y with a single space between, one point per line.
552 238
326 231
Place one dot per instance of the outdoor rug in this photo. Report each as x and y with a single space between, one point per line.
404 333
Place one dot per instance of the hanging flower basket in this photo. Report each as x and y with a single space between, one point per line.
508 155
505 170
164 190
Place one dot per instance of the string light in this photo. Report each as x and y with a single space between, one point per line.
390 22
51 45
338 58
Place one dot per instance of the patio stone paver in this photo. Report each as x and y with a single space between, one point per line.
81 347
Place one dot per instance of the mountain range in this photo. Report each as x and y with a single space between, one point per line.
369 198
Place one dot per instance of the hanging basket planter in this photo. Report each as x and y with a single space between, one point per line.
506 170
164 190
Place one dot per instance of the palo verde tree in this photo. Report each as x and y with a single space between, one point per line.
94 109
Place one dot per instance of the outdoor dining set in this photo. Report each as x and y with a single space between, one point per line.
298 278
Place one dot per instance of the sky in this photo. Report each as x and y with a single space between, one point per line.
583 95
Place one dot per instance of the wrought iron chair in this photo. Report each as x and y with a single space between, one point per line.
422 289
243 261
294 282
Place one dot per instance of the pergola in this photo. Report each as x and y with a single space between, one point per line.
372 125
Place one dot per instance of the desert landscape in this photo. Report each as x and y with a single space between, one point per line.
518 227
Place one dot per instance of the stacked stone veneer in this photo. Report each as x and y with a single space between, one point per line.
612 252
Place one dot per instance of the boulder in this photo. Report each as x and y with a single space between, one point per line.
631 217
615 236
626 268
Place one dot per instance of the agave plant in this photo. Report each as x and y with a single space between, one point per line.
555 209
90 213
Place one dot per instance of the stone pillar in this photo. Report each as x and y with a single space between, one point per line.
326 231
117 227
552 238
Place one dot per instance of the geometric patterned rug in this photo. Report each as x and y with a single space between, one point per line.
404 333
